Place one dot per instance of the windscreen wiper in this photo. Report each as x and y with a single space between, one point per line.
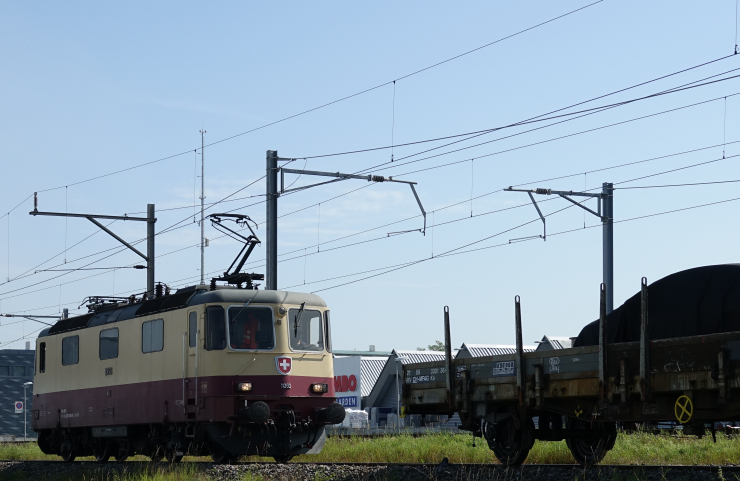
241 310
298 319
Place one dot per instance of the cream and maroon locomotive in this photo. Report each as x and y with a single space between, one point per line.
225 372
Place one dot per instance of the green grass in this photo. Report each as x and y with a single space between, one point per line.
632 449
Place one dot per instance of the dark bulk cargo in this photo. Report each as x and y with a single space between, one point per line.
694 302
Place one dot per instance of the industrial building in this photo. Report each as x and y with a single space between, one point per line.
16 369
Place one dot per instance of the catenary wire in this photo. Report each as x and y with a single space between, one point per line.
458 251
552 139
326 104
539 118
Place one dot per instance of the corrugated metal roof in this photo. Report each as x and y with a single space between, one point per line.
483 350
412 357
370 369
554 342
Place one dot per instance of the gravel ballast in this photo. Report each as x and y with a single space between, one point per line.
300 471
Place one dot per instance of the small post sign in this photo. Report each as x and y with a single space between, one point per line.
18 407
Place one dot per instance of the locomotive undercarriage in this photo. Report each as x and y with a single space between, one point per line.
224 442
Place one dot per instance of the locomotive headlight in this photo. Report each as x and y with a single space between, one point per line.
319 388
244 386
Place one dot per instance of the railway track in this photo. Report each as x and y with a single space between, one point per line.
377 471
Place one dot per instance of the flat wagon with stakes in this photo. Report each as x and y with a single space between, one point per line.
581 394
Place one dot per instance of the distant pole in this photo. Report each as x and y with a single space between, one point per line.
607 228
202 206
150 222
272 195
25 409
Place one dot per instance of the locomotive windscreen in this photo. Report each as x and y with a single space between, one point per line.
703 300
251 328
308 335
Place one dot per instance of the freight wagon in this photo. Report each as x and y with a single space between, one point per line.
581 394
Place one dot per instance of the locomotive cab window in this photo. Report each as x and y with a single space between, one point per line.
152 336
327 330
108 348
251 328
305 330
70 350
42 357
192 328
215 328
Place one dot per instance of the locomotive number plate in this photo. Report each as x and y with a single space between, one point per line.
285 385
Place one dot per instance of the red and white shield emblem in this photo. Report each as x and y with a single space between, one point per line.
283 364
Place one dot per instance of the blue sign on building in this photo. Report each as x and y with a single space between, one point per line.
348 402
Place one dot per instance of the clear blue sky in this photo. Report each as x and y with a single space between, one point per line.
88 89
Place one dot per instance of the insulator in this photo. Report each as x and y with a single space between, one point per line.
378 178
213 284
543 191
158 290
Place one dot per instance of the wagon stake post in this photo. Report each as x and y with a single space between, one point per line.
603 381
449 379
519 360
644 342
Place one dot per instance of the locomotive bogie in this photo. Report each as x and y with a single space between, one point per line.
233 372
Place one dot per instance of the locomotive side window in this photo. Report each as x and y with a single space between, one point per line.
215 328
192 328
306 331
251 328
108 348
327 329
42 357
70 350
152 336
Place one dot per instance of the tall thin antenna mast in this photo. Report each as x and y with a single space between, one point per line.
202 204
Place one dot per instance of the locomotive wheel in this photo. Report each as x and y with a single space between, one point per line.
171 457
220 455
509 444
68 455
283 458
121 457
590 452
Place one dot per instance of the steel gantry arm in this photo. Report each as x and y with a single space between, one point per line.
149 219
340 176
605 213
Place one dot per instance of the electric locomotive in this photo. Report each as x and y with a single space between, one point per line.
220 370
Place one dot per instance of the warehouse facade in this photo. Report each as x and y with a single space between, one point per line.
16 369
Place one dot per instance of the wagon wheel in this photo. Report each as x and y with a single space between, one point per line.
102 450
283 458
589 452
68 455
121 457
510 444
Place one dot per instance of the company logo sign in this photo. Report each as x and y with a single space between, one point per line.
348 402
345 384
283 364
